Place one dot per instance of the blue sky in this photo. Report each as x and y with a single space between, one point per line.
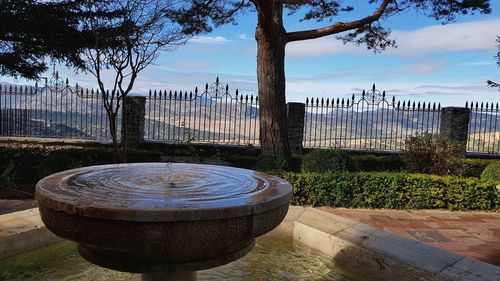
433 62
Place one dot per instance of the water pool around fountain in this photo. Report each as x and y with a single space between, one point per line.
271 259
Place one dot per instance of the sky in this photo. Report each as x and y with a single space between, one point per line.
432 62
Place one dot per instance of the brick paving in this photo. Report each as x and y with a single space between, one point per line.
471 234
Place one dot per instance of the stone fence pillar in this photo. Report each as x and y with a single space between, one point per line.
455 124
134 112
295 118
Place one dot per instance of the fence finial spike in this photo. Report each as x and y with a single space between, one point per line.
206 87
353 97
373 87
196 90
217 80
307 101
237 92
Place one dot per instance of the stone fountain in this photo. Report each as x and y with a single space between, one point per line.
163 220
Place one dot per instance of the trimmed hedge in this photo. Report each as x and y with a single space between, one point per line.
32 164
321 160
373 163
392 191
492 172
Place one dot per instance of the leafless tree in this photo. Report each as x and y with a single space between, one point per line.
126 44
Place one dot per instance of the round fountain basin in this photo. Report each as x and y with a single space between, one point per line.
162 217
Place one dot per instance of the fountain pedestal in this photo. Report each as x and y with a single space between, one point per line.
137 218
170 276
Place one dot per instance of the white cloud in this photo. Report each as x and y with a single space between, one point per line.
477 63
193 64
244 36
217 40
471 36
424 68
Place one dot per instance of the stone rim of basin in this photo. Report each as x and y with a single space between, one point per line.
245 192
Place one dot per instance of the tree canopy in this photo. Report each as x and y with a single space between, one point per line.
491 83
33 30
203 15
272 36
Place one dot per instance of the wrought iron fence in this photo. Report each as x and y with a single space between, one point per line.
484 128
54 110
212 116
371 123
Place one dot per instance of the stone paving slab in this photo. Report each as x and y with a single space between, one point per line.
471 234
23 231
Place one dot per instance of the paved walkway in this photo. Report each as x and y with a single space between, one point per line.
471 234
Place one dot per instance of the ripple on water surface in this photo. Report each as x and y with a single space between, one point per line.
271 259
161 186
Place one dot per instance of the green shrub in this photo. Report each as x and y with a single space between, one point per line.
492 172
431 154
469 167
32 164
328 161
373 163
8 176
392 191
271 164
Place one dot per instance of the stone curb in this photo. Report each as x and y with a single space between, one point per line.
23 231
379 253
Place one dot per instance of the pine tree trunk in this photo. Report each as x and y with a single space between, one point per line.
270 36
